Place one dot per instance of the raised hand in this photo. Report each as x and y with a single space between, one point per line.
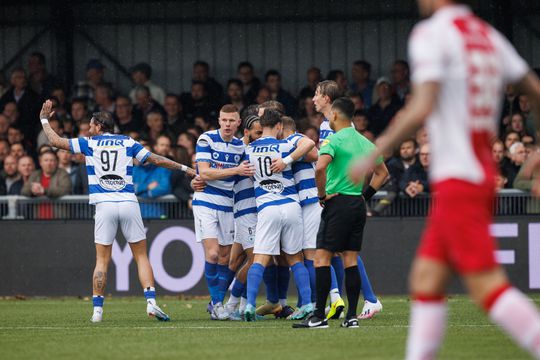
46 110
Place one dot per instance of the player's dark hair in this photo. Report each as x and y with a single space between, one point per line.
104 119
364 65
249 111
345 106
273 105
270 118
288 123
329 88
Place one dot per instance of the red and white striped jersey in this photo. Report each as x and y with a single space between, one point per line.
471 62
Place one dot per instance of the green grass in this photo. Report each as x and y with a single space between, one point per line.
60 329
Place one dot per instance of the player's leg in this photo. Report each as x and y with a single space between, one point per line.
507 307
352 286
225 274
372 305
236 261
283 279
105 228
270 278
339 271
254 279
235 306
311 215
133 230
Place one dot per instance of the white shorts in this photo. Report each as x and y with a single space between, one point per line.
213 224
245 229
109 215
311 214
279 228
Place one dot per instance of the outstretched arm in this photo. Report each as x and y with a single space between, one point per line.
55 140
162 161
303 147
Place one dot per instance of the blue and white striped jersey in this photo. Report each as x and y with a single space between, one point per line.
304 176
325 131
211 148
244 196
271 189
109 165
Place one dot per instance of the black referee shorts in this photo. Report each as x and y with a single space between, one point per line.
342 224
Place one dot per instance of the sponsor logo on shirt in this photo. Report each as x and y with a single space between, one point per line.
112 182
272 186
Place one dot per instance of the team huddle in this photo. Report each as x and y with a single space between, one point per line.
257 214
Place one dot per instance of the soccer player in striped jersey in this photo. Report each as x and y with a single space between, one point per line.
109 164
304 178
279 225
327 91
218 155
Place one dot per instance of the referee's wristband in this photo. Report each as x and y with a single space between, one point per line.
370 191
44 121
288 160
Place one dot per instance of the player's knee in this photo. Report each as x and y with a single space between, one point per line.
212 256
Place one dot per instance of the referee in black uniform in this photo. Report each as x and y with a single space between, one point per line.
344 214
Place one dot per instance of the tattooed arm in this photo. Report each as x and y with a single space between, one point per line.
162 161
55 140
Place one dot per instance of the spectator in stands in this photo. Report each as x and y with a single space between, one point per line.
11 112
511 102
155 126
41 82
195 130
235 94
497 152
124 115
384 110
201 71
141 74
104 98
422 136
202 123
79 111
9 175
163 146
65 162
357 101
517 124
15 135
49 180
25 167
85 89
525 109
5 149
263 95
312 132
84 128
401 84
28 103
56 125
151 182
521 182
250 83
518 155
199 103
69 128
273 83
17 150
145 104
339 77
3 86
63 106
362 83
510 138
175 114
180 182
397 165
415 179
361 124
4 126
314 76
308 113
187 141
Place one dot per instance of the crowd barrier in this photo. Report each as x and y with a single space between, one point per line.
56 258
507 202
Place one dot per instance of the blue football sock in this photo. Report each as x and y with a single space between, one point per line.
337 264
254 278
212 280
97 300
244 293
284 276
150 293
311 270
270 281
367 291
226 276
333 284
238 289
301 277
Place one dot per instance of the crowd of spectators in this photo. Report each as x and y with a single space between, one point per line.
169 122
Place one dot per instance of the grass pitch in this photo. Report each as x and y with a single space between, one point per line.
60 329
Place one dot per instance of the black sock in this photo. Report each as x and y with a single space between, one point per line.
323 282
352 285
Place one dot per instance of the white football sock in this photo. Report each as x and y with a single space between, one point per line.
243 304
283 302
233 300
427 327
515 313
334 295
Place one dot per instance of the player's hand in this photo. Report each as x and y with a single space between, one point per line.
198 184
153 185
322 202
278 165
46 110
361 167
191 172
245 169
